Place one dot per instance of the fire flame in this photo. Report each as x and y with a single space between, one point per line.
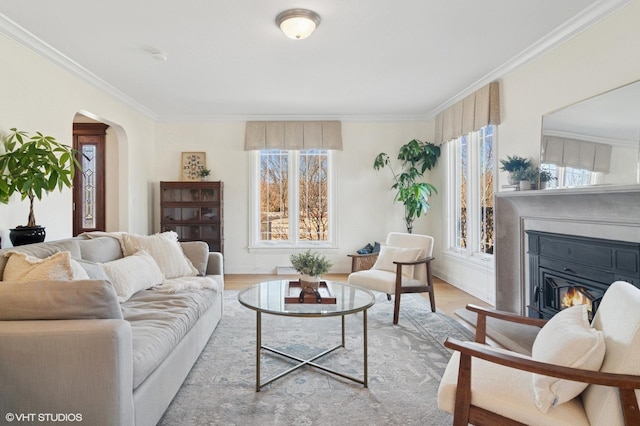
573 297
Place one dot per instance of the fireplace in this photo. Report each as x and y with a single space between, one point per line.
568 270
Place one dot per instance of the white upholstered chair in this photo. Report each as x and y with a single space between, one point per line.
488 386
402 266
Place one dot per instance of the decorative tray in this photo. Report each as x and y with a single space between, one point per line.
293 294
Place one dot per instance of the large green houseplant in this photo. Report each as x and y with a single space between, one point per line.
34 165
416 158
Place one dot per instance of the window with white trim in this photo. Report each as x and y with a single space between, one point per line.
292 198
470 192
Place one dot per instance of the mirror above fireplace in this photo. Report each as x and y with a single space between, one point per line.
595 141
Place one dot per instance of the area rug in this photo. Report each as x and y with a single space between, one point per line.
406 362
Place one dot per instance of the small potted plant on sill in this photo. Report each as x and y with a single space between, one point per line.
204 174
311 266
32 166
545 176
514 164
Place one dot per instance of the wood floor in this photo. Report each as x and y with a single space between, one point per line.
448 297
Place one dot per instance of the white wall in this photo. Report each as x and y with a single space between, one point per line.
40 96
365 201
600 58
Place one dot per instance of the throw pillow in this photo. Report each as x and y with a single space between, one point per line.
22 267
94 270
133 273
568 340
389 254
166 251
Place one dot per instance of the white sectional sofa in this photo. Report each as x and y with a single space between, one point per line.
77 348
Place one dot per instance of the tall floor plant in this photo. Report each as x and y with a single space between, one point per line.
416 158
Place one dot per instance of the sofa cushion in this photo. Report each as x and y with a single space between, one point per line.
22 267
100 249
58 300
166 251
159 321
132 274
568 340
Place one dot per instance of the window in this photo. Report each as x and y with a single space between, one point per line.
292 198
569 176
471 188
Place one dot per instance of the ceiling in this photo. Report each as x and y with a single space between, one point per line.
227 60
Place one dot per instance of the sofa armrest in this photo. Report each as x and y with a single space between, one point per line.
215 264
81 367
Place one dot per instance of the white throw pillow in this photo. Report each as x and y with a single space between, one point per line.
166 251
389 254
568 340
133 273
22 267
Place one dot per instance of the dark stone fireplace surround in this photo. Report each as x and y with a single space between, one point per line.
611 213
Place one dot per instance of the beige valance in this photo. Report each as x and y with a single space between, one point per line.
477 110
294 135
579 154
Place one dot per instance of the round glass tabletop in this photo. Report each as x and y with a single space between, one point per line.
269 297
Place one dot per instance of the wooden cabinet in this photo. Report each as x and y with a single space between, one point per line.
194 210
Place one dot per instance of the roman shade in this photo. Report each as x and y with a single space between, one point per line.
293 135
477 110
580 154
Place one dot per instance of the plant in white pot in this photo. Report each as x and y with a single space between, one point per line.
311 266
33 165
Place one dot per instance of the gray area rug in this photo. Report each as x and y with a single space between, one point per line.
406 363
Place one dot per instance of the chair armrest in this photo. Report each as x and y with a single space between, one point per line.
361 262
483 313
416 262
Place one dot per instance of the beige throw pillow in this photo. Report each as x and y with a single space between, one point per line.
568 340
22 267
389 254
133 273
165 250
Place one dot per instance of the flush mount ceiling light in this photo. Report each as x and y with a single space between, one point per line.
298 24
159 55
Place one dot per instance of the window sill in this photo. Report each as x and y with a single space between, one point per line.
479 261
292 248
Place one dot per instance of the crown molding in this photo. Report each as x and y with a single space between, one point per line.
343 118
25 38
587 18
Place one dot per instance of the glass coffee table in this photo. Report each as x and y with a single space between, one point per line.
269 298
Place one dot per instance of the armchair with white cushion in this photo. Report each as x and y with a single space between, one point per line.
579 373
402 266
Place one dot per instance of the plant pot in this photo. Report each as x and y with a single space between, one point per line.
512 179
309 283
525 185
27 235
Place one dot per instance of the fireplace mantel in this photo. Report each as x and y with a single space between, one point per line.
599 212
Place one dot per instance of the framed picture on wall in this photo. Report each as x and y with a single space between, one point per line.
192 163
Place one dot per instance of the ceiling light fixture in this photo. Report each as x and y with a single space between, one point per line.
298 24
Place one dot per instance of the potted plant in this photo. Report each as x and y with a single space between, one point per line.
526 177
513 164
545 176
204 173
417 157
311 266
32 166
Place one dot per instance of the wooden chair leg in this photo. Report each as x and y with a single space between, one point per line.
432 295
396 308
388 296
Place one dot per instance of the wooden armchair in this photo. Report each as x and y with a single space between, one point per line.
483 385
402 266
